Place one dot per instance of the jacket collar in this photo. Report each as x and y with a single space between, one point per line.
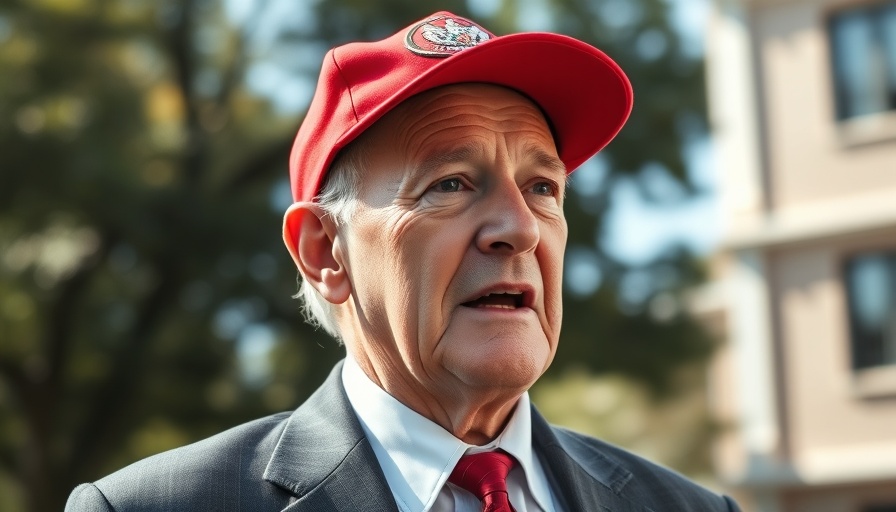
326 462
582 476
324 459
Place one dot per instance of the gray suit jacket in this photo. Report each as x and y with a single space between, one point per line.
317 459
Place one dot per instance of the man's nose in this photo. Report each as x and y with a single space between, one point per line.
508 224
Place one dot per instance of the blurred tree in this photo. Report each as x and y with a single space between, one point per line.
144 291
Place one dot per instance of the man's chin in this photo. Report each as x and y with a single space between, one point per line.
501 360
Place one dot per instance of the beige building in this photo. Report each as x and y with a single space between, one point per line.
803 113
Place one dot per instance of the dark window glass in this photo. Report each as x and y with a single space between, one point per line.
880 508
863 47
871 292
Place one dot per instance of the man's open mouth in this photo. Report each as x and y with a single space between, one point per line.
497 301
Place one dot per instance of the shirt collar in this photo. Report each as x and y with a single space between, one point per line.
417 455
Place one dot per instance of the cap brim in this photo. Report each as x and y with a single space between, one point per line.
585 95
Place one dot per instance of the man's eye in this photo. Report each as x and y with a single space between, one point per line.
543 188
449 185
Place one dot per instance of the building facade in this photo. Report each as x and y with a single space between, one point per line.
803 113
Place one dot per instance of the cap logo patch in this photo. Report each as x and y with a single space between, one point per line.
442 36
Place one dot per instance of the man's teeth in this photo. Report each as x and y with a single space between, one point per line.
501 300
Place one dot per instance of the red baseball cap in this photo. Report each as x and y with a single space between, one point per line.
584 94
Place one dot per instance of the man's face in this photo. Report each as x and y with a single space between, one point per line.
455 253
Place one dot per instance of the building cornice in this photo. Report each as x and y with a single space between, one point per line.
815 221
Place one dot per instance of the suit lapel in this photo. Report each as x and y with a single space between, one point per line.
324 459
581 476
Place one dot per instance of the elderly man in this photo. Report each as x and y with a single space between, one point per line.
429 232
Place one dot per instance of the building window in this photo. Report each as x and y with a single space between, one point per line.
880 508
863 47
871 293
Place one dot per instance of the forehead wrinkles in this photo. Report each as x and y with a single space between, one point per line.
422 133
514 117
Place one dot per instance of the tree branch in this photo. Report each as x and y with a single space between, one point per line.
233 73
38 395
262 164
180 48
62 312
15 378
100 433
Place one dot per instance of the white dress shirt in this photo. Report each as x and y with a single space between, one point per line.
417 455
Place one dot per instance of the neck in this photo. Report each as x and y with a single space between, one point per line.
475 416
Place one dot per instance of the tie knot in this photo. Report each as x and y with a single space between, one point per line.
483 473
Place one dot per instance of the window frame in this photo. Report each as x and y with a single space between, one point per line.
873 11
874 381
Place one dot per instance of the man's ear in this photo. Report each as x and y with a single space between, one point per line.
312 239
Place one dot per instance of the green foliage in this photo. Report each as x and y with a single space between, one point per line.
140 222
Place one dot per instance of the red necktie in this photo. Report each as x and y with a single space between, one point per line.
484 475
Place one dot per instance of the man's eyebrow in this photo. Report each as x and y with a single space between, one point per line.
545 159
468 152
437 159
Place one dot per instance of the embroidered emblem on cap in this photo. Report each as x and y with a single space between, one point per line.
445 35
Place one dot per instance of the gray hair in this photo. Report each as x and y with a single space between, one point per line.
337 198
